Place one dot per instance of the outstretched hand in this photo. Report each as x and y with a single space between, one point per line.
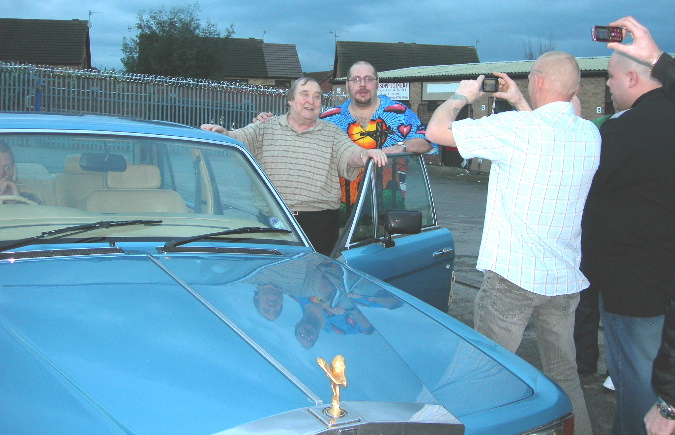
263 117
643 47
213 127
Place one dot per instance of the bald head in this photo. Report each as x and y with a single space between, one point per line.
363 64
556 75
627 80
624 63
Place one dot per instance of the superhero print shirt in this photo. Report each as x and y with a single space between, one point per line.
392 122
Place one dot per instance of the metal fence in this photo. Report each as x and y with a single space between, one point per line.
186 101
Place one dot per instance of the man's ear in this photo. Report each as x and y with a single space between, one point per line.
633 79
538 83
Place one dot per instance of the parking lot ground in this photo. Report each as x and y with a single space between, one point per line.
460 198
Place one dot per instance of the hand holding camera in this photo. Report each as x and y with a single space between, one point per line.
643 47
508 90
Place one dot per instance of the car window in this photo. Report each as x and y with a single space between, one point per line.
364 228
401 185
193 187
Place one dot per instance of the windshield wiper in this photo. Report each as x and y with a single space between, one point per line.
243 230
76 229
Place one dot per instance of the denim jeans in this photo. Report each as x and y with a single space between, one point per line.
502 311
631 346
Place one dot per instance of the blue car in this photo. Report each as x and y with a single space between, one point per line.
152 281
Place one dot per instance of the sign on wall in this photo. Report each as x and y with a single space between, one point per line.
395 91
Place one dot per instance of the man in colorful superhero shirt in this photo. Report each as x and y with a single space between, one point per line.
373 121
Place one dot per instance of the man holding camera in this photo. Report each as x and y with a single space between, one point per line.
543 162
629 233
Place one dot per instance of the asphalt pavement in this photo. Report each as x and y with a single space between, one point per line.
460 198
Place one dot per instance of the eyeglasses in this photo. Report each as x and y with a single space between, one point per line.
359 80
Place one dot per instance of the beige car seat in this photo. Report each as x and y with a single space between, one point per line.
135 190
75 184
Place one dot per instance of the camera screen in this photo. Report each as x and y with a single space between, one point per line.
490 84
602 33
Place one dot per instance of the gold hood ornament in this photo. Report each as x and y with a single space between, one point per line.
336 374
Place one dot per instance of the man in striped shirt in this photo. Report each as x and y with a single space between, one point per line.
304 157
543 162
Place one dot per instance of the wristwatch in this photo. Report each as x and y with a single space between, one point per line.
665 410
405 150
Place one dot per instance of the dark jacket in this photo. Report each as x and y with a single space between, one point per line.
664 71
663 376
628 227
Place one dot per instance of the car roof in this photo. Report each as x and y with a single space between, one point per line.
96 123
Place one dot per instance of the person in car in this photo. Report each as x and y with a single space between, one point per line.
7 171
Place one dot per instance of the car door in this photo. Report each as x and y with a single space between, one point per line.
420 264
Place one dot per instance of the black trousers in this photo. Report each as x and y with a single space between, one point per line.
586 326
321 227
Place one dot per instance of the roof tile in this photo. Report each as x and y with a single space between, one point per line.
388 56
45 42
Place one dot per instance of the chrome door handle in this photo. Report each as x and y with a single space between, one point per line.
443 252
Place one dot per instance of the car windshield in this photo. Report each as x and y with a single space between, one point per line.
184 188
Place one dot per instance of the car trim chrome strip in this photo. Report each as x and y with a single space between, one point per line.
220 250
46 253
290 376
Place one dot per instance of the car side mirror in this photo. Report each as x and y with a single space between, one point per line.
401 222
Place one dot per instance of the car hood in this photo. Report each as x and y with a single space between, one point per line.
175 344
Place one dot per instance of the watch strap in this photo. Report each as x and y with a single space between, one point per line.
665 409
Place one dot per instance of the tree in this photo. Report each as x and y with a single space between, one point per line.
175 43
532 53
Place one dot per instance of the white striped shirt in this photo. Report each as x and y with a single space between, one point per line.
304 167
543 164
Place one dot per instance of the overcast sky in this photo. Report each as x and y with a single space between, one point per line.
499 28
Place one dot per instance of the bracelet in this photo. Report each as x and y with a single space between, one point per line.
402 146
655 62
